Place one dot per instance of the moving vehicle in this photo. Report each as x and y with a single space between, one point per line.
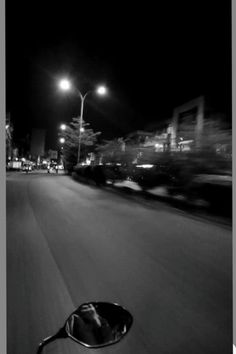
51 167
27 167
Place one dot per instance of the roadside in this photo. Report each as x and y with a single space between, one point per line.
196 208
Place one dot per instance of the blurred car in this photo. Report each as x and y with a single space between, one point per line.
150 176
26 167
54 167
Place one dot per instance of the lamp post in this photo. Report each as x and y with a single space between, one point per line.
81 121
60 152
65 85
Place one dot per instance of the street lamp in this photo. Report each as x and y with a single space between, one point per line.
65 85
62 140
63 127
101 90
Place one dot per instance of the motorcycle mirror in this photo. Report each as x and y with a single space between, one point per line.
94 325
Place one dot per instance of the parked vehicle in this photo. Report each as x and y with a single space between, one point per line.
153 175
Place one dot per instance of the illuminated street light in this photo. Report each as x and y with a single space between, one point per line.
101 90
63 127
65 85
62 140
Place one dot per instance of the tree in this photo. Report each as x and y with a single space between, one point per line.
110 150
216 137
72 136
213 154
117 151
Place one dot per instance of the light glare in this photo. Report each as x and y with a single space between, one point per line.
145 166
101 90
64 85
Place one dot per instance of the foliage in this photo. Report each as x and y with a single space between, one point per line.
72 136
110 151
117 151
215 136
91 173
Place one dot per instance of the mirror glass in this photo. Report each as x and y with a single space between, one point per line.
97 324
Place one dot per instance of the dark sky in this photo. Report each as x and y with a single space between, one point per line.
152 57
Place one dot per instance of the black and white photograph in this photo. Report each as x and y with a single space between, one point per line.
118 160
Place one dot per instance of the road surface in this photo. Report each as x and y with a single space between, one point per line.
68 243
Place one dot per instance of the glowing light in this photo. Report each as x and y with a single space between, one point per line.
65 85
62 140
185 142
88 161
145 166
82 130
63 127
101 90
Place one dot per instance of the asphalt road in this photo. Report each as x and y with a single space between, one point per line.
68 243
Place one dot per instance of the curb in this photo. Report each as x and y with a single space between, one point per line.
197 206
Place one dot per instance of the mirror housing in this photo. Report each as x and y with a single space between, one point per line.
94 325
98 324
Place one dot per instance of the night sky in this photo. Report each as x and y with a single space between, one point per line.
151 58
